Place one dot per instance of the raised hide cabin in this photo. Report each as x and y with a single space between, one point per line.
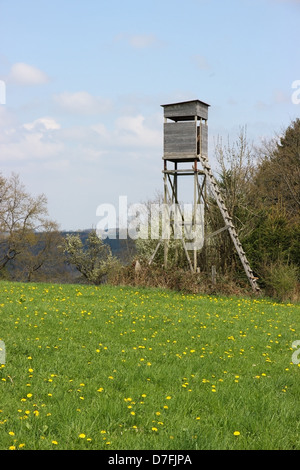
185 131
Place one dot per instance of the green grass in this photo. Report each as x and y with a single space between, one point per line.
117 368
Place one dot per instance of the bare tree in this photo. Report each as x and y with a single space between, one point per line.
41 257
21 215
236 170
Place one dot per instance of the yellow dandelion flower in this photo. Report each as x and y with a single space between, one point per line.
236 433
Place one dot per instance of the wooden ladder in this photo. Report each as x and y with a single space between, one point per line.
228 221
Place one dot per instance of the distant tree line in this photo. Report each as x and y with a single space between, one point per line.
261 190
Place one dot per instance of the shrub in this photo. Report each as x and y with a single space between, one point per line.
93 260
178 280
282 280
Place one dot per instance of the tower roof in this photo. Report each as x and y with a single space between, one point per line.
186 110
185 102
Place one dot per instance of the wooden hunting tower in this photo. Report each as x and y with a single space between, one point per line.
186 141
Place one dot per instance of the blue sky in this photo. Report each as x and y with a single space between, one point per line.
82 121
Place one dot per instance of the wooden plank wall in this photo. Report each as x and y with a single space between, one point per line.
180 138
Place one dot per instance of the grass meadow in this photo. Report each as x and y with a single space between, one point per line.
120 368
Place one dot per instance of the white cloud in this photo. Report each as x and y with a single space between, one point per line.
77 163
25 74
129 132
101 130
57 165
29 147
45 123
136 132
130 136
7 118
30 141
81 102
139 41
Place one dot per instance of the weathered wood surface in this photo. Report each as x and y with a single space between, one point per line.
185 140
202 139
180 138
186 111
